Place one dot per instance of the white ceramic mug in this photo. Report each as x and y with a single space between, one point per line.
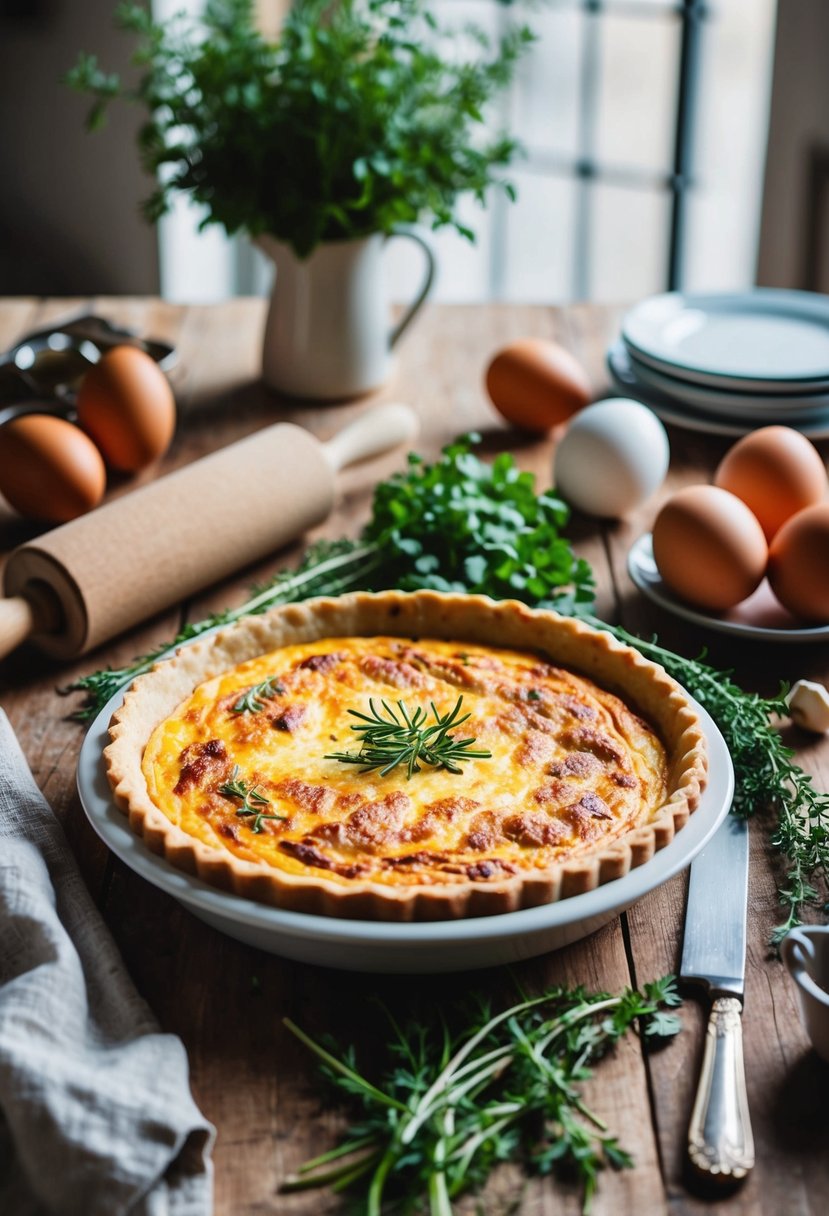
805 952
328 334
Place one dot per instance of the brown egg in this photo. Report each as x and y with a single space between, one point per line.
126 404
776 472
799 564
49 469
708 547
535 384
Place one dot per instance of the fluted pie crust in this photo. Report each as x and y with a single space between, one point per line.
598 758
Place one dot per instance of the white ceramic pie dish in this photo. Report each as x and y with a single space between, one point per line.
413 947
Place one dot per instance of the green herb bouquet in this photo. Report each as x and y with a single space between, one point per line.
362 115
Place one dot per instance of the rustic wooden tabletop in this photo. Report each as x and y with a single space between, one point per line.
227 1001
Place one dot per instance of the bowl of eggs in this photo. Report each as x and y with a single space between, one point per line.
750 552
54 457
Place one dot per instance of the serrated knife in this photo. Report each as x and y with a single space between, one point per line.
720 1141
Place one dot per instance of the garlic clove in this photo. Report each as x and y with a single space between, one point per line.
809 706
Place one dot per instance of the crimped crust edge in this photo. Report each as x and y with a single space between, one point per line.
504 623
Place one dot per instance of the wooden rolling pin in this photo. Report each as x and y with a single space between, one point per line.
90 579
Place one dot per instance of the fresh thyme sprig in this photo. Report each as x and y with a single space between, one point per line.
390 737
253 699
252 799
766 779
451 1106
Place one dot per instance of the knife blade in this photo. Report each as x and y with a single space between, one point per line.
720 1140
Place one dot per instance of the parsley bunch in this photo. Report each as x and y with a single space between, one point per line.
364 114
452 1104
462 525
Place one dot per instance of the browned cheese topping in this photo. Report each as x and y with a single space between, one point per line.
571 764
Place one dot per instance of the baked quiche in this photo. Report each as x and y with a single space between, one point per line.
407 756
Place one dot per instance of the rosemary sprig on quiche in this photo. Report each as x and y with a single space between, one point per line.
252 700
252 799
392 736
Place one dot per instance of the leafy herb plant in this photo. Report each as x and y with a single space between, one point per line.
452 1104
463 525
391 736
363 115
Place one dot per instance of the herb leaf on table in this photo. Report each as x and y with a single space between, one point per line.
455 1100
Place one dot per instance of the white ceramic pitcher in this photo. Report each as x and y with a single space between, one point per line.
328 333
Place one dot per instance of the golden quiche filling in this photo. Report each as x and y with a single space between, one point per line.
406 756
249 763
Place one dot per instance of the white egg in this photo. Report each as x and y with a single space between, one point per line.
613 456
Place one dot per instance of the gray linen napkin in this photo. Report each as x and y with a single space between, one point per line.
96 1115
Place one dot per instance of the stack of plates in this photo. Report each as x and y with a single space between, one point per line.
728 363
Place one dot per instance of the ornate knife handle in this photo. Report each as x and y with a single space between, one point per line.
720 1142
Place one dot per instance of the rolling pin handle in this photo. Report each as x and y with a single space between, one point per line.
17 622
377 431
39 611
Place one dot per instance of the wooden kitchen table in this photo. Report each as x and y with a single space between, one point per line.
227 1001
